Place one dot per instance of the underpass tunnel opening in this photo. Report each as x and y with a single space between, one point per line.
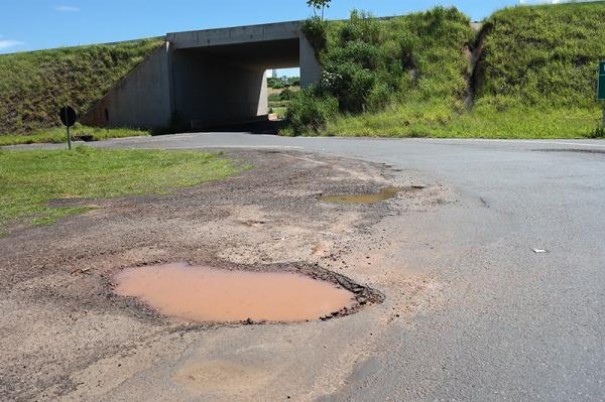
283 85
227 84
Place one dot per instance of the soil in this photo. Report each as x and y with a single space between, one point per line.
66 335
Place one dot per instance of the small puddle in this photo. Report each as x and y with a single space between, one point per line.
383 195
202 294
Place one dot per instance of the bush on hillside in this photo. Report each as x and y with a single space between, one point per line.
316 31
309 113
286 95
369 64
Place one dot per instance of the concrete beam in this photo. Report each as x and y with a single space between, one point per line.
235 35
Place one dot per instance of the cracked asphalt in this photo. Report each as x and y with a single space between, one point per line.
471 311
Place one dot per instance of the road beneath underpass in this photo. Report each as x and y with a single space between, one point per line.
511 323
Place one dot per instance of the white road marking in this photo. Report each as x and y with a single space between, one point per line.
577 144
228 146
469 140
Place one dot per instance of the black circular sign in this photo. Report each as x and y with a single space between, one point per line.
68 116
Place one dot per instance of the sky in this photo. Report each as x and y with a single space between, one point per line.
41 24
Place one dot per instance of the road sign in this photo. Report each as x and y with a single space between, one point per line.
601 84
68 118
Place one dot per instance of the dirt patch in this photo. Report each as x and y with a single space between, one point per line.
220 376
60 315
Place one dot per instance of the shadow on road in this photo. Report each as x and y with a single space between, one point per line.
257 127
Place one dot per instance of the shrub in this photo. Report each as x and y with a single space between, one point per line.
361 27
361 70
286 95
274 98
378 66
275 83
598 132
294 81
315 30
309 113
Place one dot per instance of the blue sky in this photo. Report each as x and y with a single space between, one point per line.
40 24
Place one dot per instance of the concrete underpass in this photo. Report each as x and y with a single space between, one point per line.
201 79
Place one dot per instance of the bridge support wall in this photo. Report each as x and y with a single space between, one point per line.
203 78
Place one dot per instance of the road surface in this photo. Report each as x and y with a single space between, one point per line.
511 323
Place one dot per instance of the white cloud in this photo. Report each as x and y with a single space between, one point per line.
7 44
67 9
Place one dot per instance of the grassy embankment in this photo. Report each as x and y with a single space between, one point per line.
30 179
538 73
535 77
405 77
35 85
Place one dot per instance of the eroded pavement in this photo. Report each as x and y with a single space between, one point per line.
66 336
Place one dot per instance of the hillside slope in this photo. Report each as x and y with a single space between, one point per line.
543 56
535 76
539 67
415 66
34 85
410 76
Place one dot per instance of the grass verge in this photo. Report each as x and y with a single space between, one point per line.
439 122
58 135
30 179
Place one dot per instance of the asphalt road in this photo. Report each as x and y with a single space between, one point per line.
513 324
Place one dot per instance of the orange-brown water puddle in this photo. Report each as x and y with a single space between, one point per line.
383 195
203 294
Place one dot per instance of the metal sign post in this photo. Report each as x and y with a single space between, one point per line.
68 139
601 87
601 83
68 118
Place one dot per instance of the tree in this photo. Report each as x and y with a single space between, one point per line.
319 5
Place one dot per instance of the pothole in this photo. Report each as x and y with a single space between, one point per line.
209 295
383 195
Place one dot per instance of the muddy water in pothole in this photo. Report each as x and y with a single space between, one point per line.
202 294
383 195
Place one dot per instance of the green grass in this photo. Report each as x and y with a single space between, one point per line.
439 122
536 77
30 179
406 76
59 135
409 69
34 85
543 56
280 111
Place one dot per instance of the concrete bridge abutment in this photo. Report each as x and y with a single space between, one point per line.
204 78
